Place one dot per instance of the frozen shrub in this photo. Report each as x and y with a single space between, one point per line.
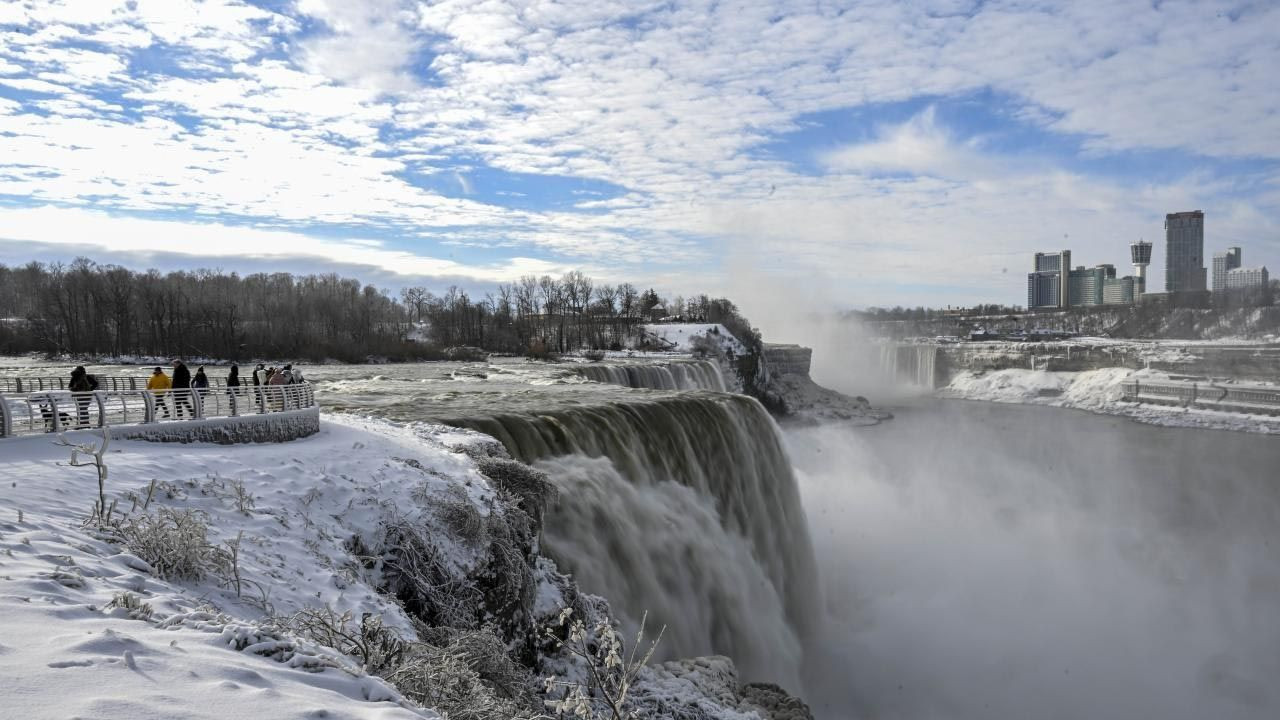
466 675
505 580
463 520
137 609
418 574
532 487
173 542
611 669
379 649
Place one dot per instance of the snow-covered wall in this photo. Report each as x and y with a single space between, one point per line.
268 428
788 359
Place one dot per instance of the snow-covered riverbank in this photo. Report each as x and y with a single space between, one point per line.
1096 391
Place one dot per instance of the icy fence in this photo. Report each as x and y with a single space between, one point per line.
58 410
1209 396
9 385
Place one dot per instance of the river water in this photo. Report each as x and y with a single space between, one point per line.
1002 561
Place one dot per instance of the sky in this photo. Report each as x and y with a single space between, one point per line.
870 153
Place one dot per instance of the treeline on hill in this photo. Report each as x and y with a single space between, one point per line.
105 310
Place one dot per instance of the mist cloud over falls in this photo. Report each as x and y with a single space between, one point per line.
986 561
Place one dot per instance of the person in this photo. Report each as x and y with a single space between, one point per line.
233 383
259 375
297 376
288 375
200 381
159 384
182 389
82 383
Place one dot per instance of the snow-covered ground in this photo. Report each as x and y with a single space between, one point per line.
1097 391
65 652
679 337
89 628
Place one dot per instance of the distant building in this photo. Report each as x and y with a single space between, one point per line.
1086 284
1222 263
1120 291
1247 278
1184 252
1047 284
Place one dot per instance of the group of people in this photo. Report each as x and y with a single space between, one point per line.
184 380
165 388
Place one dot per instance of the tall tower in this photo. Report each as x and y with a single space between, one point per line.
1184 252
1141 254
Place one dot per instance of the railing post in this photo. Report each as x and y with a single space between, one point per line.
53 409
19 385
198 402
148 406
6 419
102 408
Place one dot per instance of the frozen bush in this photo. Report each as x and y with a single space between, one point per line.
465 675
532 487
418 574
173 542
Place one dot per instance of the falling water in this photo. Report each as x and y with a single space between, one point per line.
695 375
685 507
912 364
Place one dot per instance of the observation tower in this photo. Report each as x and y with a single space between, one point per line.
1140 252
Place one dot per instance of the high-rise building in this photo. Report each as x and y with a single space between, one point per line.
1047 284
1086 284
1184 252
1222 263
1119 291
1141 254
1247 278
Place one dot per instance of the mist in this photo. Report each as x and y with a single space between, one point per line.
986 561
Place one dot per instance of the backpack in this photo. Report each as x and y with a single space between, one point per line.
93 382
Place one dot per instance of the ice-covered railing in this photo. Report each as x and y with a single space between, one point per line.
1229 397
58 410
105 382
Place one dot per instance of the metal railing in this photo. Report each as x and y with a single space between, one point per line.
1233 398
54 411
114 383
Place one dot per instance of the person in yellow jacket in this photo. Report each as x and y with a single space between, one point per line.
158 384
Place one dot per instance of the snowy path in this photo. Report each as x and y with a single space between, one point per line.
64 654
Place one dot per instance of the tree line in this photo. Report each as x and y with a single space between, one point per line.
105 310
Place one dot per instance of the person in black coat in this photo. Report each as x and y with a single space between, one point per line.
182 389
82 383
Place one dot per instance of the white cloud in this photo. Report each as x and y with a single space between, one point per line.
670 105
113 234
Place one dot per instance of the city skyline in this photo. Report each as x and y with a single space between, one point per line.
879 154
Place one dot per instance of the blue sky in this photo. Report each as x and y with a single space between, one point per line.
870 152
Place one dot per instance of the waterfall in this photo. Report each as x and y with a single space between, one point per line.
684 375
926 366
911 364
685 507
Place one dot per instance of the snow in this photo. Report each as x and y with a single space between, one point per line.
202 654
679 337
1096 391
